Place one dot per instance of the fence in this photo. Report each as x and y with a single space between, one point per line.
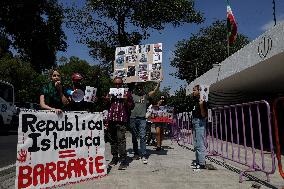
239 133
276 129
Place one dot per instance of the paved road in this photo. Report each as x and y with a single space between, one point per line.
8 148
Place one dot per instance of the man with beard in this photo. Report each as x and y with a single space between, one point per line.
138 119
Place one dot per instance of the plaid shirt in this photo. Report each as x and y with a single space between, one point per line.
119 109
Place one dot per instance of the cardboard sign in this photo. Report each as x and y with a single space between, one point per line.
54 150
118 92
90 94
204 91
139 63
161 114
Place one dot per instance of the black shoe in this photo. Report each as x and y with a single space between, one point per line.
122 166
158 149
193 164
114 161
136 157
199 168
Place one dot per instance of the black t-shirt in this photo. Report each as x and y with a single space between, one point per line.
196 112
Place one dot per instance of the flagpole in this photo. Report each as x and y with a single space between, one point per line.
228 45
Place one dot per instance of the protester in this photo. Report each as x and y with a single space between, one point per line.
138 120
160 126
150 138
117 122
199 115
51 95
77 79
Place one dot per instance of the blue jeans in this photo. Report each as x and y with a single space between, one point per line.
138 130
199 128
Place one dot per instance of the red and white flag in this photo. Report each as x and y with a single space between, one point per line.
231 26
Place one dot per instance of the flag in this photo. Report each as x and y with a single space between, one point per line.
231 26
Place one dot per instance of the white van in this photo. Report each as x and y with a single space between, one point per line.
8 109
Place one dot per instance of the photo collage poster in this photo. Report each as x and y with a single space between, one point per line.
139 63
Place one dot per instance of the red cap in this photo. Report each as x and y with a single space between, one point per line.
76 77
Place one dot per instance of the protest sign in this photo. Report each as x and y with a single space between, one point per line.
204 92
139 63
90 94
54 150
118 92
162 114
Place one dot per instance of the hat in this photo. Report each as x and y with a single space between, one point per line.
76 77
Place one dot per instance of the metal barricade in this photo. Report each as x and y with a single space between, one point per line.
182 129
238 132
276 130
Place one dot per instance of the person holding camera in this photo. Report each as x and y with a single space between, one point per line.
117 123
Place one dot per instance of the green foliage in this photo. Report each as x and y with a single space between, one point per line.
35 30
27 83
94 75
180 101
204 49
104 25
4 44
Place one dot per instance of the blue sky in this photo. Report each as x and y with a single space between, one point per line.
253 18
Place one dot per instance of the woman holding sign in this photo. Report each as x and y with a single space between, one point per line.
51 95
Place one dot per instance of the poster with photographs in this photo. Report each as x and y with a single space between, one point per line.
120 73
131 59
139 63
131 71
155 75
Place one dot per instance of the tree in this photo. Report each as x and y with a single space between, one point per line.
180 101
104 25
35 30
27 83
202 50
94 75
4 44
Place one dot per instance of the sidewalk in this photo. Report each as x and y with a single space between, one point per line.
169 169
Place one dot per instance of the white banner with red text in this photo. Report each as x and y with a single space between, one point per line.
58 149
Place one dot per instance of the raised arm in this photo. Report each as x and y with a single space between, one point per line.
152 93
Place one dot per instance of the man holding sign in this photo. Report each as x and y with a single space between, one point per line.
118 117
138 119
199 115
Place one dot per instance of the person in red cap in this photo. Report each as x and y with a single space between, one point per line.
76 80
77 85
